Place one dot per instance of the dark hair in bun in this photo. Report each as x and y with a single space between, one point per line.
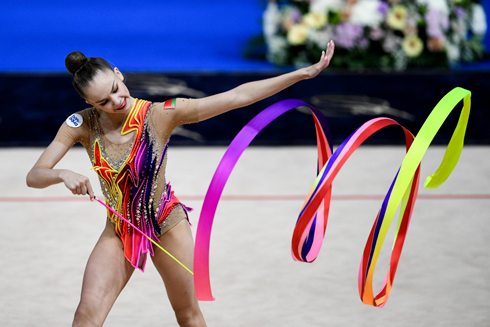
84 69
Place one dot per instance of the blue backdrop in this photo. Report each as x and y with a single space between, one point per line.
162 36
145 35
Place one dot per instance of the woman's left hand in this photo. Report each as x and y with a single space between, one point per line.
327 55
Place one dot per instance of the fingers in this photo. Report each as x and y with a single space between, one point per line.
78 184
327 54
79 188
83 189
330 51
90 192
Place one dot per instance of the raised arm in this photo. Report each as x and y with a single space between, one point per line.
252 92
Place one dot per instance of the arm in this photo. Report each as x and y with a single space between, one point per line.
252 92
43 175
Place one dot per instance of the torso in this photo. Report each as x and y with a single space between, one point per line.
131 165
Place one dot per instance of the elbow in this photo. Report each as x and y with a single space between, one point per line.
30 179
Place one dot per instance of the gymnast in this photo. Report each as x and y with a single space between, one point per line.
126 140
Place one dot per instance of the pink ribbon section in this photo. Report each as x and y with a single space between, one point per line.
225 167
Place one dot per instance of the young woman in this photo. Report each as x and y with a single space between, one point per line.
127 139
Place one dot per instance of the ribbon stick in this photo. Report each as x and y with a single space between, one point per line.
311 224
137 229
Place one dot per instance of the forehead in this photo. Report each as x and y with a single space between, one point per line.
100 86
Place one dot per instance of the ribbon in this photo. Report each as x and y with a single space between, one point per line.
311 225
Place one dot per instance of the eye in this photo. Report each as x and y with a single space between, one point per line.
103 103
116 89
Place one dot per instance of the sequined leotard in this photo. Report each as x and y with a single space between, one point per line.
132 174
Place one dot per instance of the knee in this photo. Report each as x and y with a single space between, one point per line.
190 317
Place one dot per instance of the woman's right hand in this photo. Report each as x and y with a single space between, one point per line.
77 184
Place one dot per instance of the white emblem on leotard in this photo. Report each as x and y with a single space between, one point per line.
74 120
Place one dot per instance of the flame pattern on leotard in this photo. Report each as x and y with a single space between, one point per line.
132 188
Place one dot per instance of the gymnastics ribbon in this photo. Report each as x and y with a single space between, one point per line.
142 233
311 225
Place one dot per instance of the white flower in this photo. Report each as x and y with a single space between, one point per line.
321 37
271 20
297 34
478 21
277 44
459 28
391 42
326 5
401 60
453 52
412 46
277 50
366 13
440 5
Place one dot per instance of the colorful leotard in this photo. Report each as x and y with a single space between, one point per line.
132 174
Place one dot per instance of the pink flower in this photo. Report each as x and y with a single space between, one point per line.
460 12
376 34
437 23
383 7
347 34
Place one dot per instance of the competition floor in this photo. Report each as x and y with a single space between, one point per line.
47 235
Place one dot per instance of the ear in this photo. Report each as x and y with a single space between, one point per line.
118 73
90 103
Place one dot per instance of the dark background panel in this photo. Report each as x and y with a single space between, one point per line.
34 106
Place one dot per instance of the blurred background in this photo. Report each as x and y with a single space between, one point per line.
393 58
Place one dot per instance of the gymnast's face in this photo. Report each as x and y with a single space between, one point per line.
107 92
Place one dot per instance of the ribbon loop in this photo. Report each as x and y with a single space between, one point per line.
311 224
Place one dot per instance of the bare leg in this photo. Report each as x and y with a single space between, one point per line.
178 281
106 274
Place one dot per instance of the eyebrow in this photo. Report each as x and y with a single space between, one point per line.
112 89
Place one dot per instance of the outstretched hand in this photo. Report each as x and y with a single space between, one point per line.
327 55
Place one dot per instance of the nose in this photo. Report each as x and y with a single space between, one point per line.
114 99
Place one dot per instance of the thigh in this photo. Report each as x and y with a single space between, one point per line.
179 283
106 274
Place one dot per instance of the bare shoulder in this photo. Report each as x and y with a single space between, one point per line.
171 104
77 127
177 111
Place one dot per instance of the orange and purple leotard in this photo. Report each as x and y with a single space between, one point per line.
132 174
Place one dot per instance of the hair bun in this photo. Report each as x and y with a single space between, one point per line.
74 61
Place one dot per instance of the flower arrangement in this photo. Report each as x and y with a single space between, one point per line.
383 34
